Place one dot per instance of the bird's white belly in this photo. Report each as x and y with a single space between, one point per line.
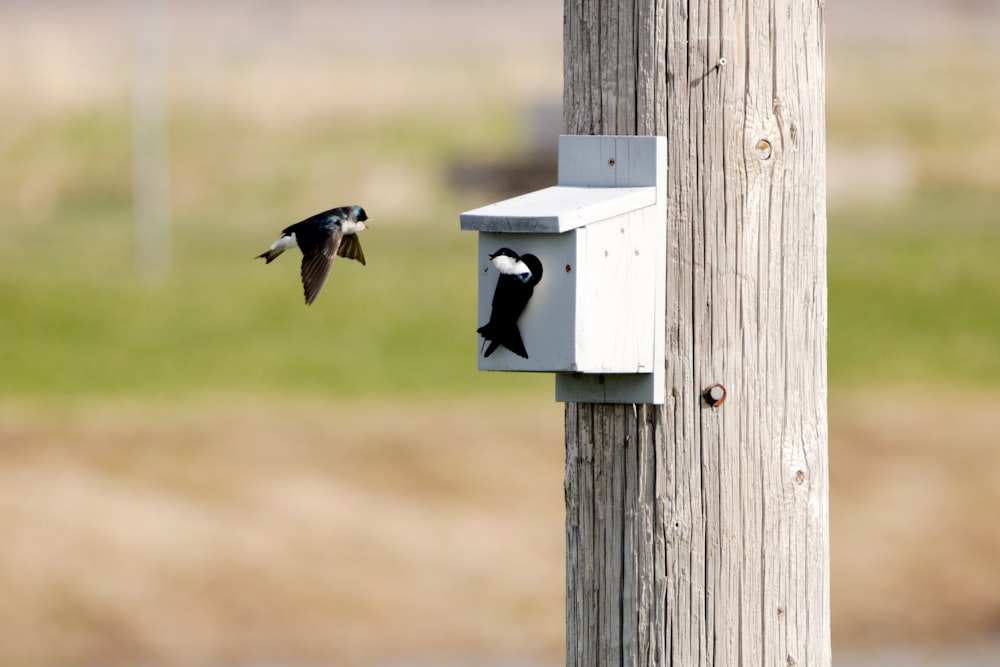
285 242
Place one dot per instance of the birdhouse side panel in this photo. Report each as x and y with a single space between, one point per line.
616 294
547 324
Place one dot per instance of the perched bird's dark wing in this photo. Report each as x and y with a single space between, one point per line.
535 265
350 247
319 246
509 299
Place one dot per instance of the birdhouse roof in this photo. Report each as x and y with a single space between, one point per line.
557 209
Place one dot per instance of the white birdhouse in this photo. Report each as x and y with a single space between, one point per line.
593 311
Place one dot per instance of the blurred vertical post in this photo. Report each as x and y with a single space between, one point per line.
697 532
150 140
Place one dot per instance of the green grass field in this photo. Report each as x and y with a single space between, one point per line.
915 293
914 285
77 319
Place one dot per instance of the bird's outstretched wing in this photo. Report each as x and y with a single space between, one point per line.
318 250
350 247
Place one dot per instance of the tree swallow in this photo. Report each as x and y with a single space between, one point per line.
320 238
518 276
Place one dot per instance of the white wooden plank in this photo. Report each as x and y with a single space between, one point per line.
582 162
616 296
610 161
557 209
608 388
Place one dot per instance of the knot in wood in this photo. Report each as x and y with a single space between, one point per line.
764 149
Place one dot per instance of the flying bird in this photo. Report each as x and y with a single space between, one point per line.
518 276
320 238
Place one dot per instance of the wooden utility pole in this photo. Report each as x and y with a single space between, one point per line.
699 535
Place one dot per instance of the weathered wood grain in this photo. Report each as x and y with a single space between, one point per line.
699 535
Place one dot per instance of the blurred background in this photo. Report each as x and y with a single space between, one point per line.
195 469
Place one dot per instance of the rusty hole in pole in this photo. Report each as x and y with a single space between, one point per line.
715 395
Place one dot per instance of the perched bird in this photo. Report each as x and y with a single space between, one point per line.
320 238
518 276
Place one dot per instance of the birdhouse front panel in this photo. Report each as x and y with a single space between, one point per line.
548 323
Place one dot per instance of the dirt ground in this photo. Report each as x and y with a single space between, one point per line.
293 533
299 533
915 492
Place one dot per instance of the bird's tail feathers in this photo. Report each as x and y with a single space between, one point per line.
509 337
270 254
491 348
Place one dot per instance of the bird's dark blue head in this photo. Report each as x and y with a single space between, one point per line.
358 213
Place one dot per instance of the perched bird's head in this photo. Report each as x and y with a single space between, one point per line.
509 263
505 252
